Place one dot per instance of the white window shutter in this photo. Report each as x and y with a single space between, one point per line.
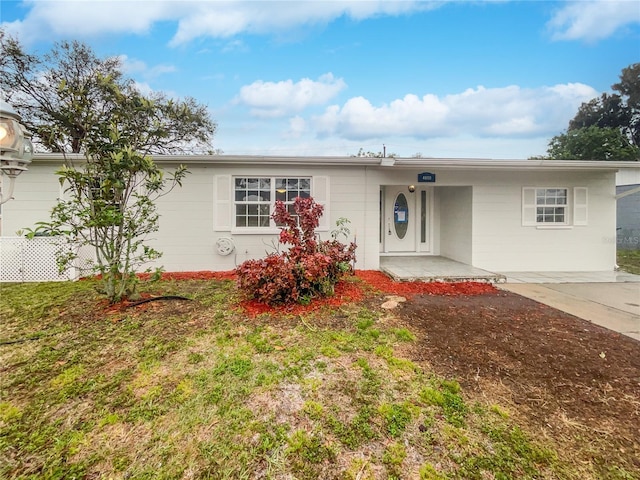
528 206
222 203
320 193
580 206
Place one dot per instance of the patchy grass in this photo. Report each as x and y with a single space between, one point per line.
629 261
196 389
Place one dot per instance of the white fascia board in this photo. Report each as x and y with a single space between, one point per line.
228 160
489 164
391 162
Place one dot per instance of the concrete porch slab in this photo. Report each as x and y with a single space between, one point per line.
434 269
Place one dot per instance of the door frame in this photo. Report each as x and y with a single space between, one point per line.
414 199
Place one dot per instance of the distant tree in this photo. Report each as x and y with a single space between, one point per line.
369 154
592 143
618 110
69 98
606 111
605 128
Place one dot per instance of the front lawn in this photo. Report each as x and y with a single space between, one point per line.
629 261
201 389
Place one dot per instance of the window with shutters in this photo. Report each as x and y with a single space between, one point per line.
554 206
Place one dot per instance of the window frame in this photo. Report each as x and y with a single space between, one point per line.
264 186
548 194
275 193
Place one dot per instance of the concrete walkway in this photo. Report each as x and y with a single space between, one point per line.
611 303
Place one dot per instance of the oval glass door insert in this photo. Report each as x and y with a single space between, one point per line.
401 216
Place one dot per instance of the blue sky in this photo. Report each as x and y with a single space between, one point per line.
473 79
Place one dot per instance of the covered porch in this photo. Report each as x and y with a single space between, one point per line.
429 268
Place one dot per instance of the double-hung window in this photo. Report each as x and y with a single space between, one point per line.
551 206
254 198
288 189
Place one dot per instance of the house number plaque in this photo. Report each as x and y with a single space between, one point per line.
426 177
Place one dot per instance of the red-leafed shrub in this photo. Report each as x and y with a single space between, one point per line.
308 268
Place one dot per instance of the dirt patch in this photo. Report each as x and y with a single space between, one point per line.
561 374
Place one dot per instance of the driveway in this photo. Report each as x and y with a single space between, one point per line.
614 305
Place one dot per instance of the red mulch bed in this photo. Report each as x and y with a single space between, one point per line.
346 291
384 284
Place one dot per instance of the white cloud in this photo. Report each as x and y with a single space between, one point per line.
297 127
275 99
593 20
49 19
224 19
144 88
52 19
133 66
235 46
497 112
461 146
86 18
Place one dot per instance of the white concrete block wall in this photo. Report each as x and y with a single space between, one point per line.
479 223
368 233
186 224
350 198
188 237
34 196
501 242
456 220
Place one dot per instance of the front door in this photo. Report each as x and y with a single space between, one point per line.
399 220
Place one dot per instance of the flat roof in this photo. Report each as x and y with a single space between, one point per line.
386 162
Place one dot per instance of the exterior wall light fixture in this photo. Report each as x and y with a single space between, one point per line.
16 149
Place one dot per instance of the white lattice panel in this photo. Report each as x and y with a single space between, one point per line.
34 260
